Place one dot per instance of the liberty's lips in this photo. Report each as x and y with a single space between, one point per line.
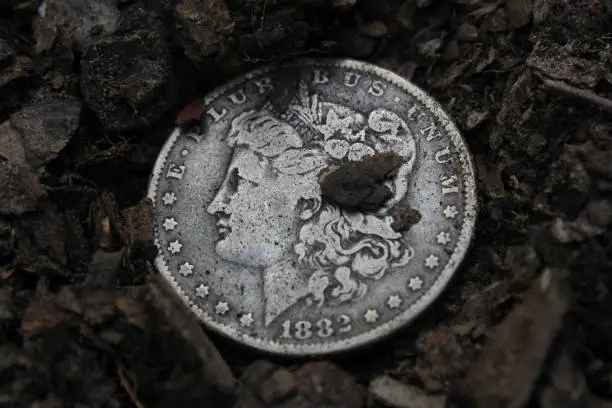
223 226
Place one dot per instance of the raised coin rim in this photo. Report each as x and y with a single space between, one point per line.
407 316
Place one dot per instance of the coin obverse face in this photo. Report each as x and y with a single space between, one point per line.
247 240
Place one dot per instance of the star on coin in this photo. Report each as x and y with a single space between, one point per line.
432 261
175 247
186 269
202 291
371 316
394 302
222 308
450 211
169 198
443 238
246 320
169 224
415 283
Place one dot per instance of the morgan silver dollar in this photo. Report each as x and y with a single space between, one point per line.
248 240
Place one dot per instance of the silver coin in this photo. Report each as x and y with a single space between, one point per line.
249 244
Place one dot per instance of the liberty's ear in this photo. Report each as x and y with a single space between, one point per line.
308 207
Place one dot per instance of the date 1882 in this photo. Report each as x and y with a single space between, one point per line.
322 328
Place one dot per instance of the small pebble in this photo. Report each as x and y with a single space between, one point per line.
374 29
46 128
127 96
405 14
498 22
21 191
430 48
279 385
475 118
466 32
343 4
394 394
424 3
519 12
452 51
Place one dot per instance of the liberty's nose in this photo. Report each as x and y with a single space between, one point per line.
221 201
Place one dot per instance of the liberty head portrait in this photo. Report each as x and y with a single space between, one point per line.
270 213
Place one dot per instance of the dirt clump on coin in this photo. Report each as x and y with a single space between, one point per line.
358 185
404 216
91 90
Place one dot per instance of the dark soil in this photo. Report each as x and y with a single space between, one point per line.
359 185
89 91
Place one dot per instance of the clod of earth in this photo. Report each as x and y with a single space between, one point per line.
122 329
213 367
313 385
139 224
127 96
41 239
393 393
519 12
13 66
7 242
374 29
343 4
203 26
278 31
355 45
106 223
556 62
104 268
568 388
358 186
46 128
20 192
440 357
506 370
82 20
404 216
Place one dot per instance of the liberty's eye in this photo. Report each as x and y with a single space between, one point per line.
235 180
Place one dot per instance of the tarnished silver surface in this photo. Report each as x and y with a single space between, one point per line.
246 239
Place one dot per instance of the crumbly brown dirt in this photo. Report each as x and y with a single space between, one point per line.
89 91
359 185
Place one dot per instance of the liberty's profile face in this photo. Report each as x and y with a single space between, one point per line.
256 209
270 213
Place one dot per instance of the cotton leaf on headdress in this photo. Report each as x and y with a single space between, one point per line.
263 133
358 151
332 124
344 122
295 161
391 129
382 120
336 148
274 143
